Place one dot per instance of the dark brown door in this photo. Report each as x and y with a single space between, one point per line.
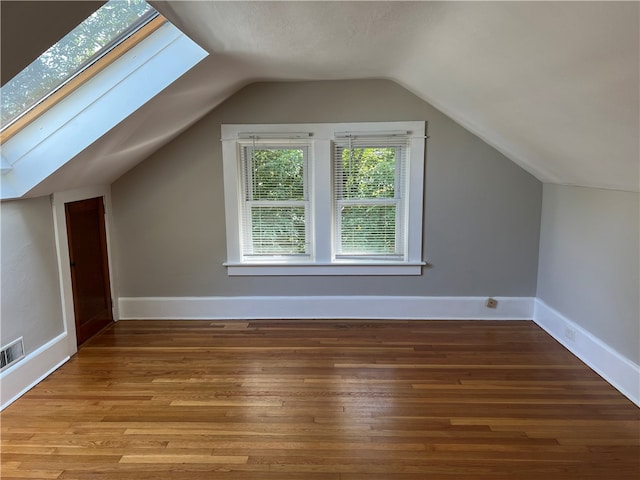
89 267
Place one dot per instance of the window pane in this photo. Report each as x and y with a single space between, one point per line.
277 174
367 172
368 229
278 230
70 55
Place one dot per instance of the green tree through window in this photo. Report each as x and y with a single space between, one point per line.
277 174
368 172
276 197
366 179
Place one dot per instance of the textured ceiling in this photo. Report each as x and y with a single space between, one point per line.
554 86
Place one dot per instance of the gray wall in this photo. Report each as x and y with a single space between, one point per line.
482 212
31 304
590 262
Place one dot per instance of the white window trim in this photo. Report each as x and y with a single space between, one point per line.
321 225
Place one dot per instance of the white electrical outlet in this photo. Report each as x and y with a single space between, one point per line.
570 334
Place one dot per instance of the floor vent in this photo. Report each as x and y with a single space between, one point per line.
11 353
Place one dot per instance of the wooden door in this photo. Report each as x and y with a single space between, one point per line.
89 267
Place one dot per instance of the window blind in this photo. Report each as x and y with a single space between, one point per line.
275 204
369 190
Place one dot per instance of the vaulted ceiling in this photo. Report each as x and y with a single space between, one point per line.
552 85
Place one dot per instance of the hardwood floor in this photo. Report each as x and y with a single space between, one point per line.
347 400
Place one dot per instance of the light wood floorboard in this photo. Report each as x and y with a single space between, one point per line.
325 399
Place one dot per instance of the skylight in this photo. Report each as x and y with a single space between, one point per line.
81 48
125 65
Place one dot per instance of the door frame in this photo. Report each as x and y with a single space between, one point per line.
59 199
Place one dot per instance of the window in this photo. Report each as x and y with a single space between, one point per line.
63 125
80 49
327 199
275 201
369 173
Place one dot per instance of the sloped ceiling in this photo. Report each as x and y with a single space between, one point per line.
554 86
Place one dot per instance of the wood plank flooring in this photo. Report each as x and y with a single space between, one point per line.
335 400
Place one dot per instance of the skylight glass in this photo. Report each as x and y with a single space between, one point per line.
104 29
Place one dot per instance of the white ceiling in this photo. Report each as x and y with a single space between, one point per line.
553 85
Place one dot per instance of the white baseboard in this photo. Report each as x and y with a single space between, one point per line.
616 369
619 371
18 379
366 307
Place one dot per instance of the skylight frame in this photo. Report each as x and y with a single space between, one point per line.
135 33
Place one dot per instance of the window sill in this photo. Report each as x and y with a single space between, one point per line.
298 269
